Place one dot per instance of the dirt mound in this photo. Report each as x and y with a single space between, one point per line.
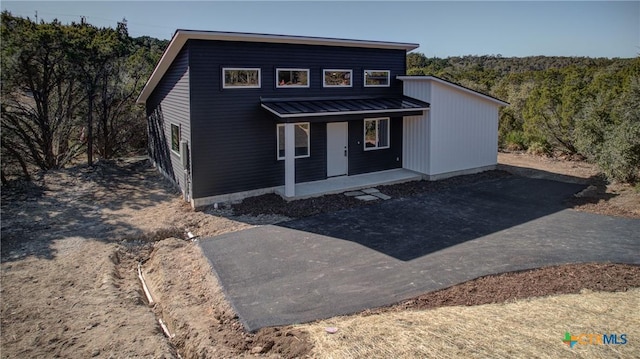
564 279
190 300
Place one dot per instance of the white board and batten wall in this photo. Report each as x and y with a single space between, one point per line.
459 133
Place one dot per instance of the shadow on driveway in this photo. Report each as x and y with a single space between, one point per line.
351 260
413 227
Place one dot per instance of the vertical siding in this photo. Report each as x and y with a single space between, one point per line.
464 131
416 130
234 139
415 147
418 89
170 104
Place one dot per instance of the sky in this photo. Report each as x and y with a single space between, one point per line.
452 28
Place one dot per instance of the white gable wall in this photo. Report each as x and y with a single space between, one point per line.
464 131
459 133
415 143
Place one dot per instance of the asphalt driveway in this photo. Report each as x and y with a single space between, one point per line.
376 255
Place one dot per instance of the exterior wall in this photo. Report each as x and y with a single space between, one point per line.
415 146
417 131
234 140
464 131
170 104
361 161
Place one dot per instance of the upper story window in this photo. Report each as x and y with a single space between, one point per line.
241 77
337 78
292 78
376 78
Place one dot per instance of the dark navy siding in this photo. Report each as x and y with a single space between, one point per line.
234 139
169 103
361 161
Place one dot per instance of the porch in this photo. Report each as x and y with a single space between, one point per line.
349 183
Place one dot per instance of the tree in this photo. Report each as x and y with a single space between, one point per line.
608 133
92 53
65 87
40 95
550 110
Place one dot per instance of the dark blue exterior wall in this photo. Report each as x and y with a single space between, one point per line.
233 139
169 104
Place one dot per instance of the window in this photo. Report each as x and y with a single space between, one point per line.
337 78
376 78
175 138
292 78
376 133
240 78
301 137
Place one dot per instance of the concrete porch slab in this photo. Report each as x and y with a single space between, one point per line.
350 183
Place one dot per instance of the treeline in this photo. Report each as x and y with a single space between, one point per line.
69 90
569 105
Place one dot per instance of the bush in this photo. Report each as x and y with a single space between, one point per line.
609 135
539 148
514 141
619 158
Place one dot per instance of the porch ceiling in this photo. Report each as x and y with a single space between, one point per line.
290 108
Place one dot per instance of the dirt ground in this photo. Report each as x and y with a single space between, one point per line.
72 240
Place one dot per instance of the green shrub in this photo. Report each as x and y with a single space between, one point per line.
515 141
619 158
539 148
609 135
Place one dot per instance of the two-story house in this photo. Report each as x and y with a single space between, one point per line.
232 115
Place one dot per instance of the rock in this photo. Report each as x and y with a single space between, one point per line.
256 350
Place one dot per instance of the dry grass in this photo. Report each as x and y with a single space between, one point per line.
531 328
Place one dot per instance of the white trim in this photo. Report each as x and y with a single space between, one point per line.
377 120
180 37
292 86
308 140
364 77
324 83
289 159
341 113
171 124
225 86
455 86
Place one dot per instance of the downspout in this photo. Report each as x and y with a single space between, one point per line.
184 158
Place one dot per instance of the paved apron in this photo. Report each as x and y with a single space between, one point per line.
347 261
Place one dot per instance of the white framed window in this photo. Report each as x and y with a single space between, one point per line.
237 77
302 140
292 78
376 133
337 78
175 138
377 78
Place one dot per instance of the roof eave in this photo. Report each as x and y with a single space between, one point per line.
170 53
454 85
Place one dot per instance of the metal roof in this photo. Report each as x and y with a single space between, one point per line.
313 107
181 36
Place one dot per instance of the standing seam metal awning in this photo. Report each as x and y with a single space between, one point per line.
297 107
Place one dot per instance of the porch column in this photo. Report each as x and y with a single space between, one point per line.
289 160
